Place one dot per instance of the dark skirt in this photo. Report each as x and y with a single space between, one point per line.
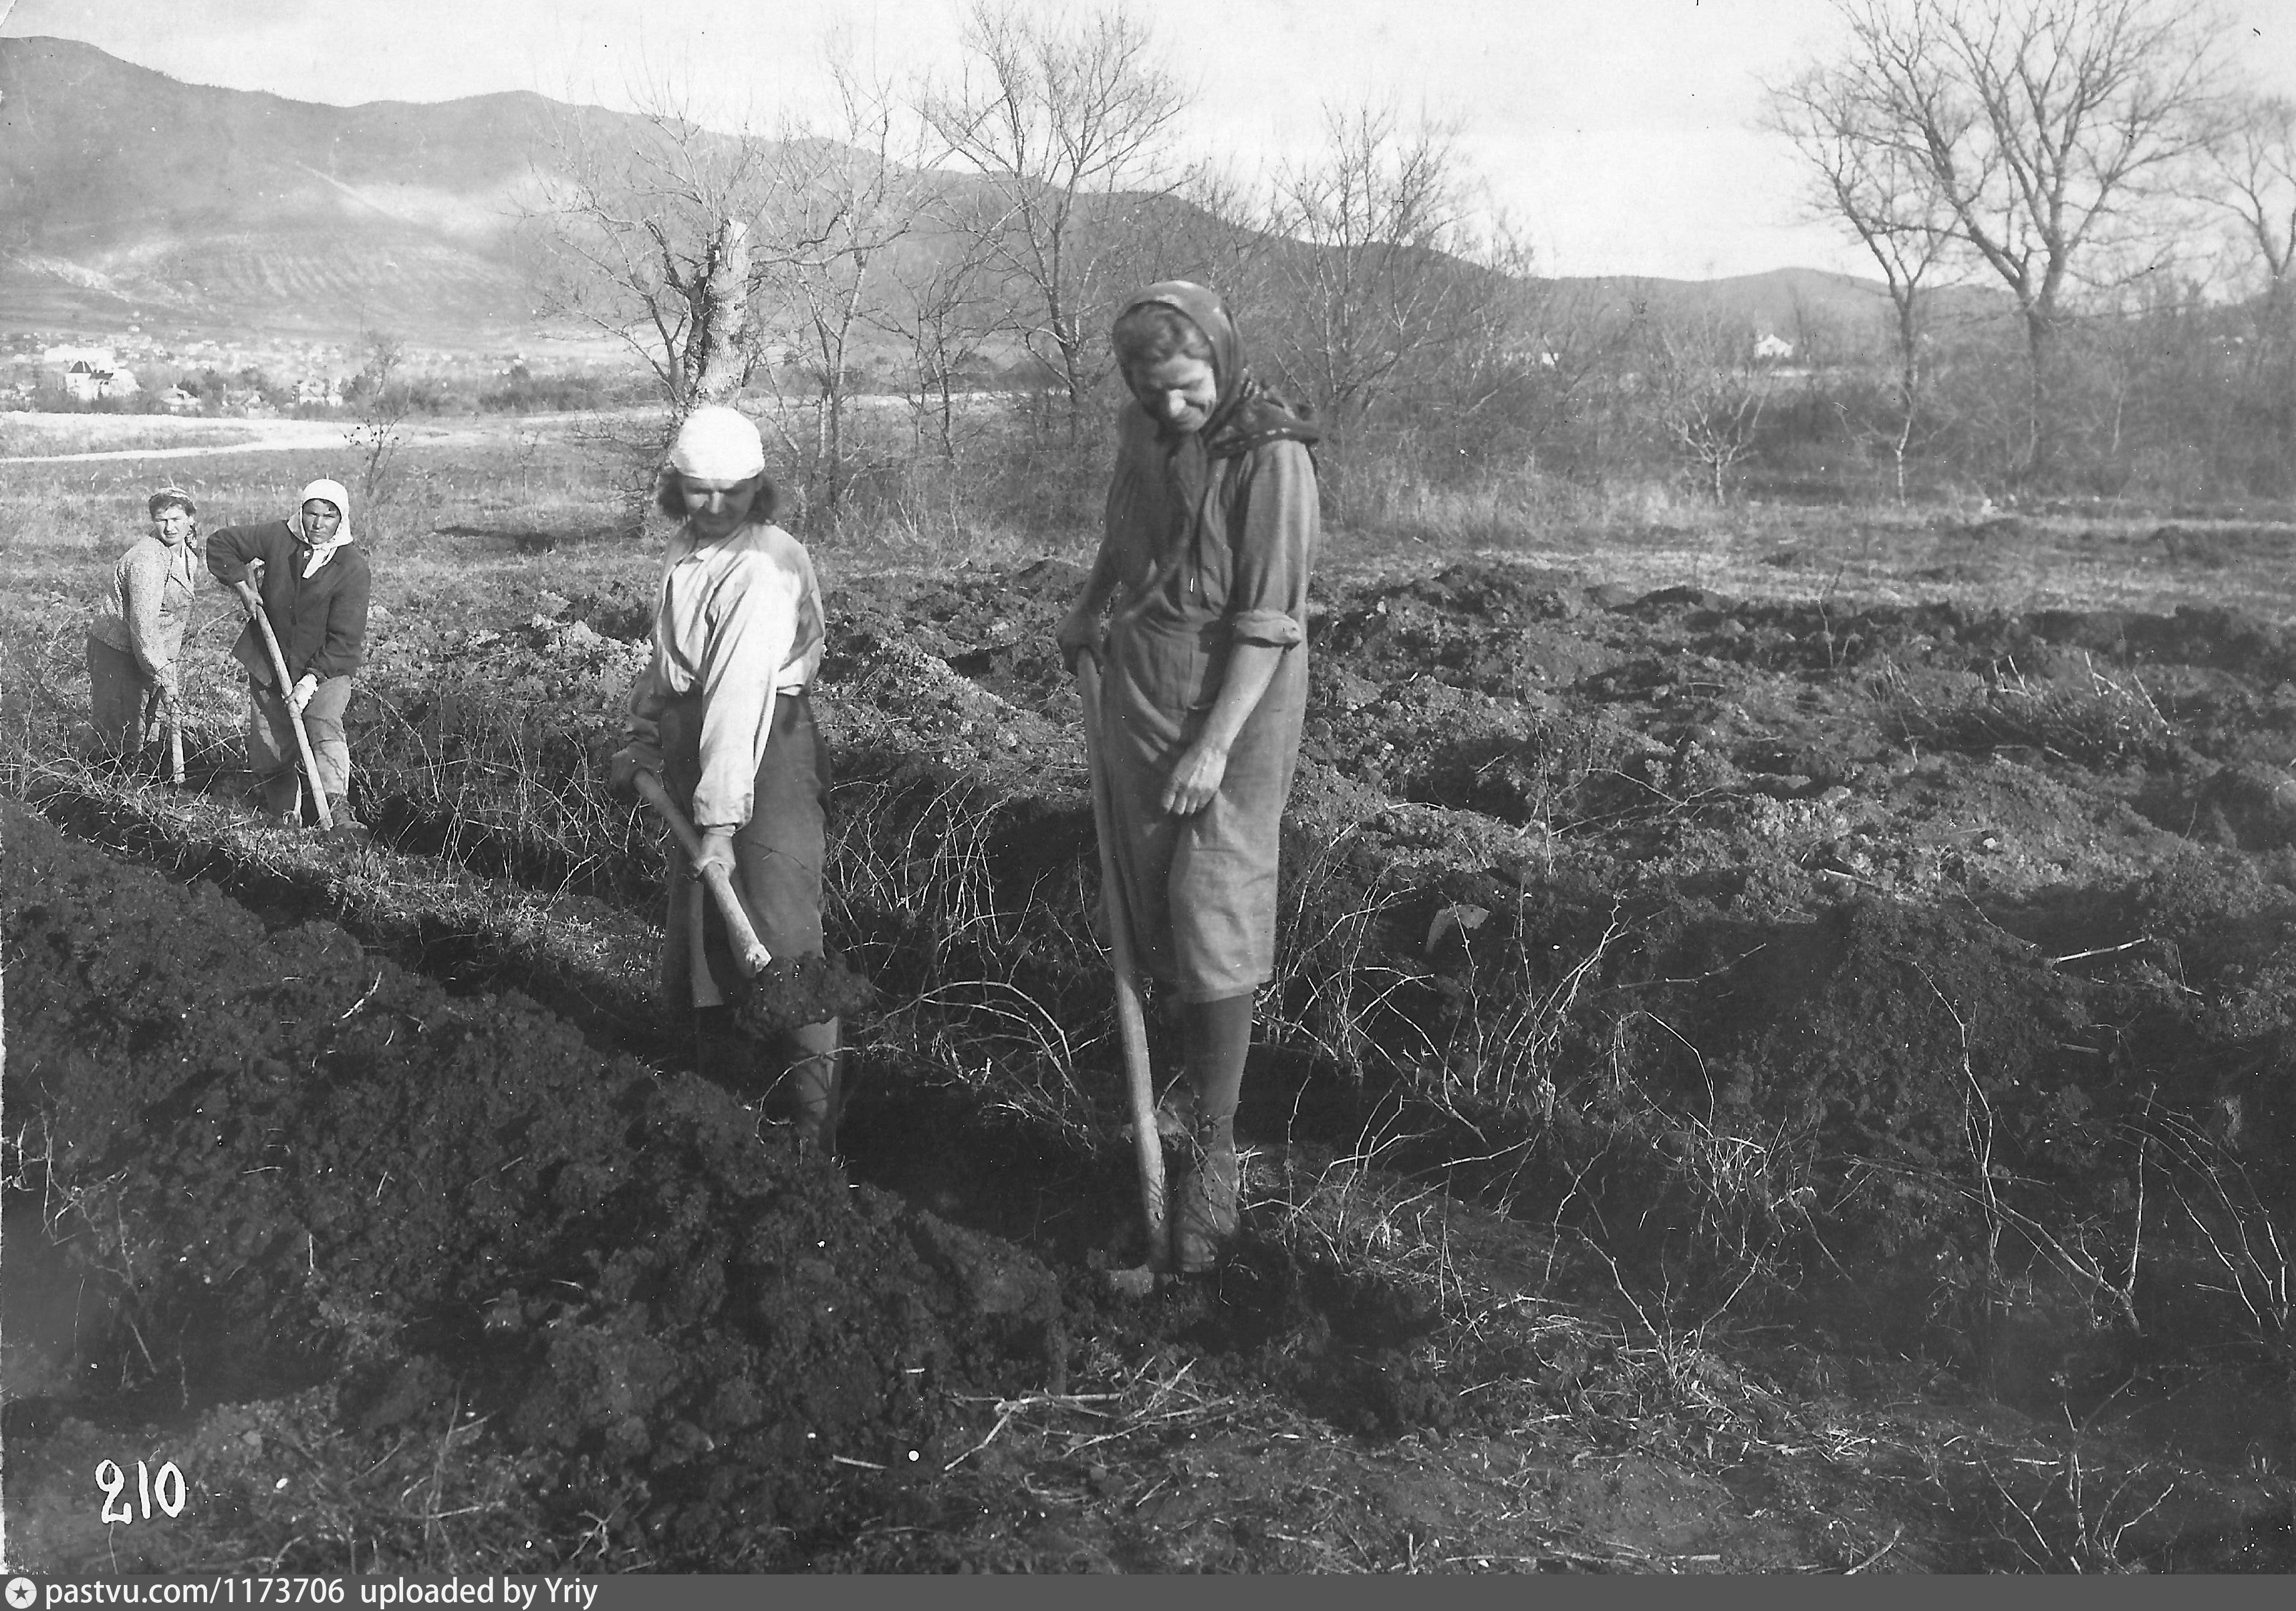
778 854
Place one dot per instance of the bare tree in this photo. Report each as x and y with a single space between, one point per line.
944 313
1380 293
2046 129
2253 164
1060 119
841 203
1710 396
1374 285
384 401
651 240
1862 178
1219 234
2252 161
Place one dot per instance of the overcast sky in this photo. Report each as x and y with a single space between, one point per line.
1617 134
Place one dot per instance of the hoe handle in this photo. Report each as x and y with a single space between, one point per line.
253 602
749 950
1148 1146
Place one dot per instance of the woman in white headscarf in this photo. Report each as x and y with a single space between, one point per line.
722 715
313 586
137 639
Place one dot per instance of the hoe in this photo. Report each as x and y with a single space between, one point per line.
175 731
1147 1141
780 994
253 601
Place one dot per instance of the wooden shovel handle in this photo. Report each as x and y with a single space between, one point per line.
253 603
1148 1144
749 951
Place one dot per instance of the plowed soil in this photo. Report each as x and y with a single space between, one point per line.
1768 1049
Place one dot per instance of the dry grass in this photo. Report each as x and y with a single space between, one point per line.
2102 720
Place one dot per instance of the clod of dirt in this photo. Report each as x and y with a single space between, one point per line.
794 991
2249 808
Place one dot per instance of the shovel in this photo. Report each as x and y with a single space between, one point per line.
160 718
781 995
155 718
253 601
1148 1144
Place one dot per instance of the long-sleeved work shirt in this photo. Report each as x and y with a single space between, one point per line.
1201 889
149 604
319 619
737 622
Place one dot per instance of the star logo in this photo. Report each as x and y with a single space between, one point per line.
22 1592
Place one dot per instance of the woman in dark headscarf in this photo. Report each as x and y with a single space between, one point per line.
1211 526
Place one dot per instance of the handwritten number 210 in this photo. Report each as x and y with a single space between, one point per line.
166 1486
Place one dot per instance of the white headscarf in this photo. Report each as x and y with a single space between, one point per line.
331 492
717 444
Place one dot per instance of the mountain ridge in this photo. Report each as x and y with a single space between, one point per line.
124 192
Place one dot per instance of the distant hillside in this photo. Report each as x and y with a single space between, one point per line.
1836 313
121 189
125 195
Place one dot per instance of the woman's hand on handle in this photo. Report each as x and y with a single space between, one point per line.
1078 635
716 851
633 757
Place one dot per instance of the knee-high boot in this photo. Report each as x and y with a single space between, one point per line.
1216 1037
810 1092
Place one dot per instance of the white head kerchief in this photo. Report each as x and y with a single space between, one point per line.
717 444
331 492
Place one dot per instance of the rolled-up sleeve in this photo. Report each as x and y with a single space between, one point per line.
752 629
1268 593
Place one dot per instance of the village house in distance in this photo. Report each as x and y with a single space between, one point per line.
86 373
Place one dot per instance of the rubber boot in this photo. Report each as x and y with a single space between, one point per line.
1217 1036
1204 1212
810 1093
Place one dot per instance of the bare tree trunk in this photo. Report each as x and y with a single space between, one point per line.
723 317
2042 351
1909 385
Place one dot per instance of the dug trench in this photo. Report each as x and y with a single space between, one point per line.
1704 1030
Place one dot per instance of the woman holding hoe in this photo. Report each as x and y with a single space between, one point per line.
1211 526
311 584
723 716
135 645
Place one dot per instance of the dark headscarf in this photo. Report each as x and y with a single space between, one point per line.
1245 415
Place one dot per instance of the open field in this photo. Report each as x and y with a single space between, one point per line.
1781 1063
